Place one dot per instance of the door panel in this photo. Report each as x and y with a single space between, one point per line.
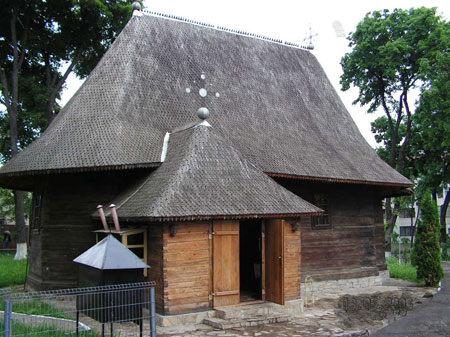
225 263
274 264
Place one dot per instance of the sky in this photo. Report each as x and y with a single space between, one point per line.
290 20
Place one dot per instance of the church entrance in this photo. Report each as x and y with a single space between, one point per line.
247 261
250 260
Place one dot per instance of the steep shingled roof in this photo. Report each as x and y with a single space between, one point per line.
203 177
276 107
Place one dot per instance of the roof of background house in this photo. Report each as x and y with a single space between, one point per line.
203 177
276 107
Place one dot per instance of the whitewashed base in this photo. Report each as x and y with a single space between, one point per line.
21 251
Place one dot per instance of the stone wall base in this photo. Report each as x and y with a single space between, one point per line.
183 319
293 307
334 288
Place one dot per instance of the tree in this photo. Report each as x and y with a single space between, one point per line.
37 39
431 123
386 65
426 247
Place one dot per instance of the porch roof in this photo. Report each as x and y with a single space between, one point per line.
204 177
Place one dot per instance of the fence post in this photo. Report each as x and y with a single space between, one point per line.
152 312
7 319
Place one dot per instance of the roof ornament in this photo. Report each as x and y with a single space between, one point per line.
136 6
310 37
203 112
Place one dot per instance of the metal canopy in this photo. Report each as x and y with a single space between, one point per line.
109 254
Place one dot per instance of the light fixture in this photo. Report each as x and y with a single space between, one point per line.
295 226
172 230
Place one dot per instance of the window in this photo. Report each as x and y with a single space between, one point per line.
36 206
407 213
321 221
405 231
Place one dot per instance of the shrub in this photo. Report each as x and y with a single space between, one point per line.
427 253
402 271
445 249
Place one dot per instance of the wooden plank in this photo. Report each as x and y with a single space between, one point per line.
225 262
274 255
263 261
186 268
291 262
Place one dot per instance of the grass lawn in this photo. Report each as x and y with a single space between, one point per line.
402 271
11 271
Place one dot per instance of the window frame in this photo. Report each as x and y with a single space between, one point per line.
322 221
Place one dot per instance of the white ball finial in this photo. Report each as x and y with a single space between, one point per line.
203 113
136 5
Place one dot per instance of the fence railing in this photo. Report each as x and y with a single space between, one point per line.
113 310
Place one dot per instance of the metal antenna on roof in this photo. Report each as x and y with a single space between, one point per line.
310 37
203 112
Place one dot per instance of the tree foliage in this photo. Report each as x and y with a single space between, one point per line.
7 204
41 43
390 61
427 250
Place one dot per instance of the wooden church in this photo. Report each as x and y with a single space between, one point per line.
273 183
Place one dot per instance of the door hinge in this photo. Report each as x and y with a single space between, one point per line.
210 296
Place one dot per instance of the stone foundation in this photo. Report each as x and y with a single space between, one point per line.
183 319
334 288
245 312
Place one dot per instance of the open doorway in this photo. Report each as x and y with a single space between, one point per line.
250 260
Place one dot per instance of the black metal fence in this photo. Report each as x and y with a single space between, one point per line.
114 310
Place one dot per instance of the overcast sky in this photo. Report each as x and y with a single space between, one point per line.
290 20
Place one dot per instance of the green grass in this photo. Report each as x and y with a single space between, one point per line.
11 271
36 307
19 329
402 271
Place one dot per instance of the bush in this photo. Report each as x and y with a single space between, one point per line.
445 249
427 254
402 271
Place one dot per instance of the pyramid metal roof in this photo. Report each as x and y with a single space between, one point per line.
109 254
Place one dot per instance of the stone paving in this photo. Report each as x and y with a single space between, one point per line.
432 319
319 320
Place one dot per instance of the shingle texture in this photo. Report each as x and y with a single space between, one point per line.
204 177
276 107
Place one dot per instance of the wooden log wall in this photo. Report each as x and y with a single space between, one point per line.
186 268
353 246
64 229
155 261
292 261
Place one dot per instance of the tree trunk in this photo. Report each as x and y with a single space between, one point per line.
387 217
442 216
12 104
21 251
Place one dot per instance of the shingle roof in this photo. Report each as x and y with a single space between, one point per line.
276 107
203 177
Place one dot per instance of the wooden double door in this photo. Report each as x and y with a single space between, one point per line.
226 259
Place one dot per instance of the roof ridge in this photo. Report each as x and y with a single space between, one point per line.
166 194
224 29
